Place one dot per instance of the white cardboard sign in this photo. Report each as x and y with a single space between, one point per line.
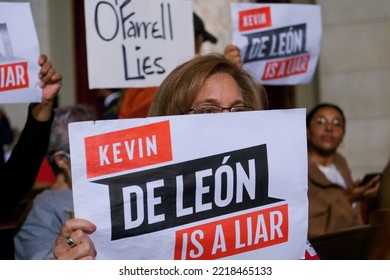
136 43
280 43
220 186
19 53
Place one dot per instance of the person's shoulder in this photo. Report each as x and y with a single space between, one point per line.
53 195
339 155
340 160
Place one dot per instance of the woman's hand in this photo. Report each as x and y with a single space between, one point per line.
368 190
233 54
73 241
50 79
51 83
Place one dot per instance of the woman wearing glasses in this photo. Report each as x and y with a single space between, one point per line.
205 84
333 196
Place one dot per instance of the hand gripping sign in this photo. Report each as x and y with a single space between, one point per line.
280 43
193 187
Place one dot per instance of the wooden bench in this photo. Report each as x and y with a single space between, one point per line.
355 243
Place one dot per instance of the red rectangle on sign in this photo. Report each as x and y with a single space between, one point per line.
128 149
232 236
254 19
287 67
13 76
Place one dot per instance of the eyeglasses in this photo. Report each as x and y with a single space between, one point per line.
324 121
212 108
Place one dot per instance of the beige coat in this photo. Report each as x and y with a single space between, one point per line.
329 211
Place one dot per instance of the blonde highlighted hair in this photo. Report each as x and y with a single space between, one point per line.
180 88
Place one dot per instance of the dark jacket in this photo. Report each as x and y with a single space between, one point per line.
6 136
18 174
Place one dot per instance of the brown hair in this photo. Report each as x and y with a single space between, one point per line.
180 88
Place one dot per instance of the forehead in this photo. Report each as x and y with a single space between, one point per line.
328 112
217 84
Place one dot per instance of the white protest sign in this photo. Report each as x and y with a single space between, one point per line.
19 53
212 186
280 43
136 43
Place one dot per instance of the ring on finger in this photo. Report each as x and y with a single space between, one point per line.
69 240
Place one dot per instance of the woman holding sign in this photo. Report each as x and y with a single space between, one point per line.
205 84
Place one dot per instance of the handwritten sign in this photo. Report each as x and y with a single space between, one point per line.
157 192
19 52
136 43
280 43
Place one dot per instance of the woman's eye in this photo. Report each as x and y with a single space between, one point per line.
208 111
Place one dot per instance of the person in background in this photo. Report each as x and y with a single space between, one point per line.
50 209
111 101
206 84
201 34
6 134
136 101
18 174
333 196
